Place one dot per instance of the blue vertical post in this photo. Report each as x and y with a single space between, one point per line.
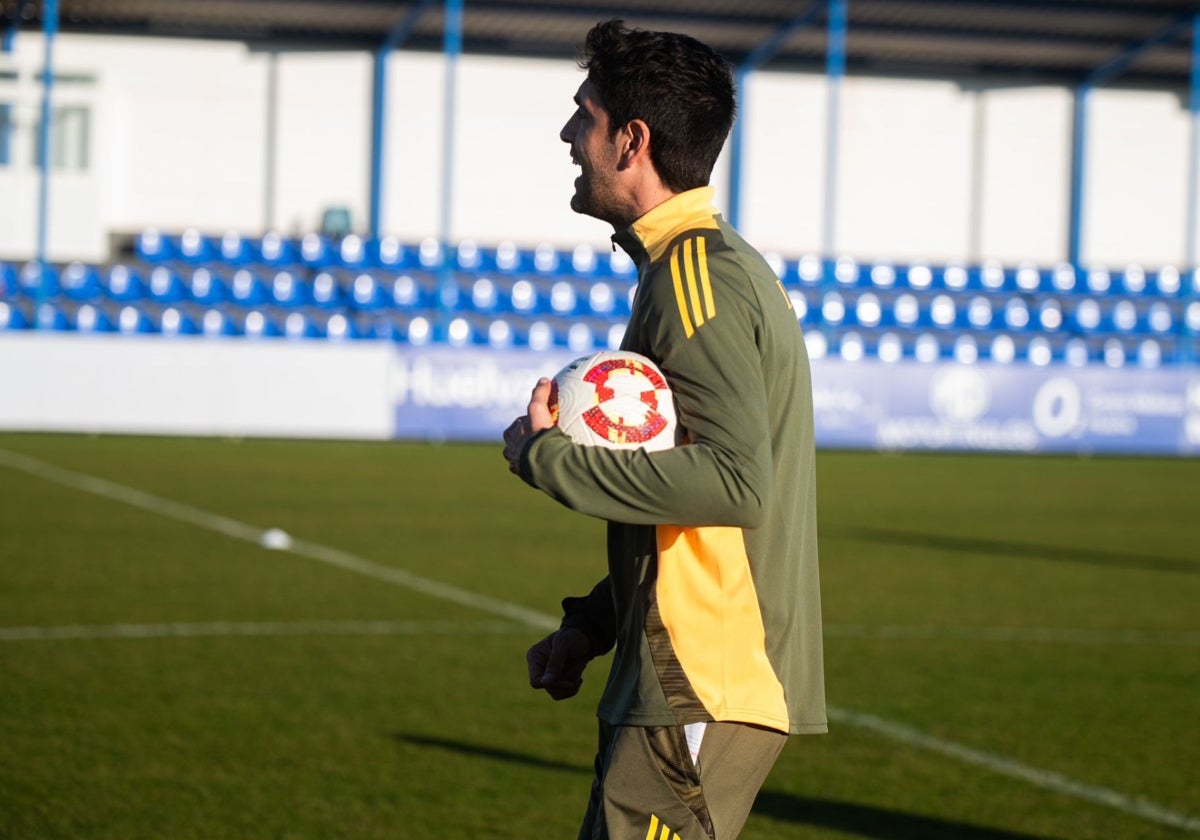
1193 192
736 139
397 36
50 29
378 110
10 32
1187 350
1078 175
452 47
757 58
835 71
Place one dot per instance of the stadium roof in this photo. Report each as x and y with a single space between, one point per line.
1058 41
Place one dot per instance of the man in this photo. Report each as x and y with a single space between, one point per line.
712 593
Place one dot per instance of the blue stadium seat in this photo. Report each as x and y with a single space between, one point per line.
564 298
12 317
35 281
1161 318
889 347
1063 279
980 313
273 249
194 247
525 298
991 277
919 277
602 299
834 312
953 277
175 321
247 288
547 260
389 253
297 324
233 249
1030 279
1050 315
366 293
260 322
121 283
1124 316
352 251
152 246
132 319
80 282
288 290
1086 315
1191 318
882 276
429 254
846 272
92 319
1166 281
1016 314
907 312
165 285
965 349
50 316
1131 280
206 287
1098 280
868 310
943 312
217 323
484 295
412 291
585 263
468 256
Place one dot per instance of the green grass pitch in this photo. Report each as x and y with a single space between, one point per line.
987 617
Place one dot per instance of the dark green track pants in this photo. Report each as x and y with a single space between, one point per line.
648 788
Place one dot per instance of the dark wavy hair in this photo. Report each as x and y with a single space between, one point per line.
682 89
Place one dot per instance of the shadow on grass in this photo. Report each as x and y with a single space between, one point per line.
1012 548
493 753
869 821
861 820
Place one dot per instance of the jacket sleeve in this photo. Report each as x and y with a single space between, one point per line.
595 616
710 356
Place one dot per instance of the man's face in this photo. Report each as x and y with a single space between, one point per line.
594 150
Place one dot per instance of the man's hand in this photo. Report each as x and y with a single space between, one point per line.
556 663
537 418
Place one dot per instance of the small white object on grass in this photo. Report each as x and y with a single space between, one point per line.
275 539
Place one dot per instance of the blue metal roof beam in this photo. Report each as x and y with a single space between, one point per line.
10 31
1118 64
763 53
1102 74
399 34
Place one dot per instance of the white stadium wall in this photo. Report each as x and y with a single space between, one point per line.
927 169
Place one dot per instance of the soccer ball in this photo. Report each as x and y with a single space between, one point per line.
614 399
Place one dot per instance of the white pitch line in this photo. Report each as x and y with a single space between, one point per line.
1045 779
256 535
259 629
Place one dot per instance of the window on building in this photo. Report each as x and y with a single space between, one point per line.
6 132
69 139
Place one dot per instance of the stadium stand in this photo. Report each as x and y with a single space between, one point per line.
319 288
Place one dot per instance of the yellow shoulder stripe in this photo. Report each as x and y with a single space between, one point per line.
693 288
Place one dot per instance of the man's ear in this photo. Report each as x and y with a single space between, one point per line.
635 144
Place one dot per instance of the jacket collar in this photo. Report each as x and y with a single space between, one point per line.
647 239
